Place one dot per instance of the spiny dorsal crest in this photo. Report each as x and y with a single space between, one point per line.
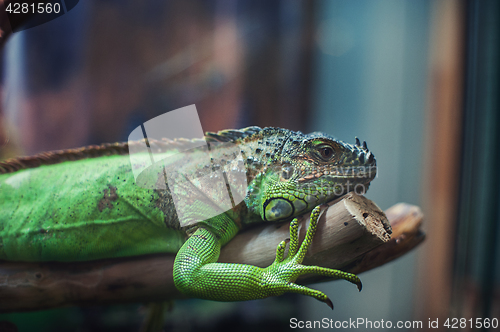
108 149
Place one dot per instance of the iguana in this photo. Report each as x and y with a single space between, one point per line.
85 204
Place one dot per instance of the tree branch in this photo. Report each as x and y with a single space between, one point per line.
353 234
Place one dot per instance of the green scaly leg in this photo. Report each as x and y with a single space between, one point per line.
197 273
295 257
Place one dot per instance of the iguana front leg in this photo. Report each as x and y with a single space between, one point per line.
197 273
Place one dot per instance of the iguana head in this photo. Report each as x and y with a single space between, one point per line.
306 170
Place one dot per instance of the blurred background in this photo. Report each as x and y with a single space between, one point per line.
418 80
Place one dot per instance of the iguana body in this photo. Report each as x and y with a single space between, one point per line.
85 204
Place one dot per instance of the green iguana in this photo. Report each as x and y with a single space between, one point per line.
86 204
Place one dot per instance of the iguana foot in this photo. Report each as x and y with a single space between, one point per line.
283 272
197 273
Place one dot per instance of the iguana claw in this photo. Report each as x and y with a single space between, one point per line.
329 302
284 271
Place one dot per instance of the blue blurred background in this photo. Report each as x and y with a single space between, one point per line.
418 80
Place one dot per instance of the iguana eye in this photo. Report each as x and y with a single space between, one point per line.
326 152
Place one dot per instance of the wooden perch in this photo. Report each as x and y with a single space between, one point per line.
352 234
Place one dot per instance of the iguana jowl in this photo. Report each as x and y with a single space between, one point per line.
85 204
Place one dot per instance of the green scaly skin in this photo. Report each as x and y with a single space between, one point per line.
241 282
85 204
